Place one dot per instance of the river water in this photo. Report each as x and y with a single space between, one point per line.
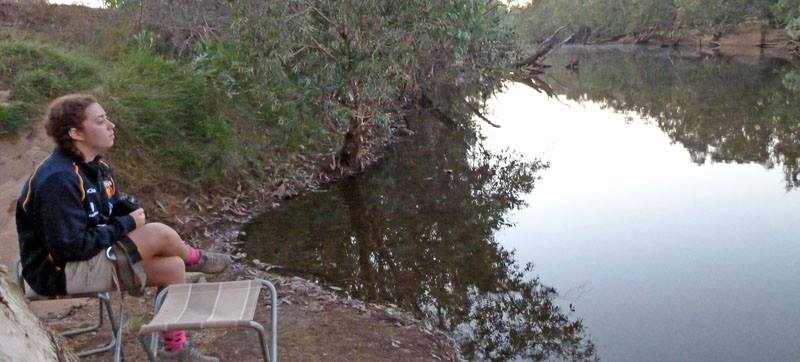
649 213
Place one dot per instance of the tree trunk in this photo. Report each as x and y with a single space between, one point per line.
349 155
24 336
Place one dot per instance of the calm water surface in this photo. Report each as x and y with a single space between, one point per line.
656 200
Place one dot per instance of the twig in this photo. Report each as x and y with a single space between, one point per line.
481 116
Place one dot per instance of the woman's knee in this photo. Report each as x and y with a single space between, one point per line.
156 232
162 230
155 239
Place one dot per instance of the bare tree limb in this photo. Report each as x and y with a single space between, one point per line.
544 48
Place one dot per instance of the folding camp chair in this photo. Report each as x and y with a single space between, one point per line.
104 300
211 305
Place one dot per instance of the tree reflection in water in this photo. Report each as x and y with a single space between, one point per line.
417 231
722 109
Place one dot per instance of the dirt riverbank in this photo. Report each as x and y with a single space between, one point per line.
748 41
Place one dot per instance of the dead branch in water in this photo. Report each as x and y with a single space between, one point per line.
529 68
545 48
539 85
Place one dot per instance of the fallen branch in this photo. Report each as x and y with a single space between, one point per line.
544 48
611 39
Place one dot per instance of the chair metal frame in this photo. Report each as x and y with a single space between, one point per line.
271 354
104 301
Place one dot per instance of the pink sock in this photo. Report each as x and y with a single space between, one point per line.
194 256
173 340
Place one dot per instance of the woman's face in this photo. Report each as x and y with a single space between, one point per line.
97 133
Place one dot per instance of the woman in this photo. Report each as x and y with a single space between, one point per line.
70 211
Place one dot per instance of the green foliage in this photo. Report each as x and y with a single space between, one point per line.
184 80
788 12
36 73
605 18
336 65
173 112
611 18
13 117
713 16
144 40
791 80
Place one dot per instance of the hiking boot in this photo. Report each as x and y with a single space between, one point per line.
188 354
210 263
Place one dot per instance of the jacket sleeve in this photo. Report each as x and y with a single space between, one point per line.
65 225
121 206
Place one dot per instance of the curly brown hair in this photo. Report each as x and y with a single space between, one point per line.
64 113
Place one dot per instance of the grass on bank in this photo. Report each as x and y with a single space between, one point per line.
161 107
172 113
13 117
176 123
35 73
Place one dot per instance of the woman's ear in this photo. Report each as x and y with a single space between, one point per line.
76 134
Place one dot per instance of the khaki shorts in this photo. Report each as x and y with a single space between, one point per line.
93 275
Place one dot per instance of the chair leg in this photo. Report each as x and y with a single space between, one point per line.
105 299
105 304
143 339
149 341
78 331
274 319
262 338
160 296
118 331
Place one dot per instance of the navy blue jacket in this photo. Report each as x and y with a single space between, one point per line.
66 213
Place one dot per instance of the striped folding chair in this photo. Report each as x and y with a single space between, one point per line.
212 305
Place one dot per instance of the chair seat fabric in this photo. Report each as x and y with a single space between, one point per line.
207 305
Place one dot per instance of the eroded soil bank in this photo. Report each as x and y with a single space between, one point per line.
748 40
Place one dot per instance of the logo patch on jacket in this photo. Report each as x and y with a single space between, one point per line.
109 186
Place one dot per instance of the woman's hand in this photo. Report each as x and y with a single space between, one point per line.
138 216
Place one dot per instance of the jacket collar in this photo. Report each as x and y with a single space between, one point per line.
92 165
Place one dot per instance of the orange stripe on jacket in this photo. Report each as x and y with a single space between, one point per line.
80 179
30 181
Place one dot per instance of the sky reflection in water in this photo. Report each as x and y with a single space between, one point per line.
665 259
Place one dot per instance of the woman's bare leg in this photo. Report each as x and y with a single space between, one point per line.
162 272
157 239
163 253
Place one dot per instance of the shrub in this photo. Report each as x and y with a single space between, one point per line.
38 72
13 117
174 113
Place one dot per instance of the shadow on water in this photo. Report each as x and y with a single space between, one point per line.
722 109
418 231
